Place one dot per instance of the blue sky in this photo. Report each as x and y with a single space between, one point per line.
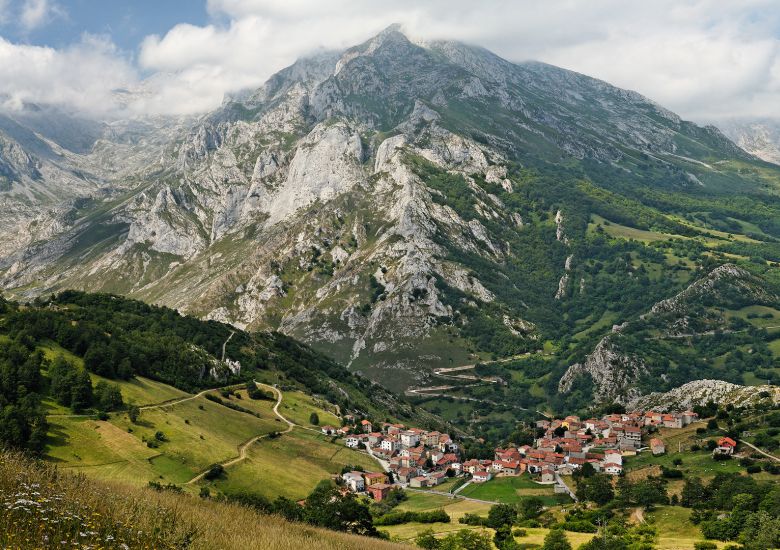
704 59
126 22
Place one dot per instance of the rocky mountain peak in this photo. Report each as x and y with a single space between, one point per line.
391 197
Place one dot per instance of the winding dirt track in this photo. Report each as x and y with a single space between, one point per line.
244 447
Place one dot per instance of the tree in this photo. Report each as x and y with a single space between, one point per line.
556 540
465 540
649 491
426 539
596 489
215 472
327 507
531 507
108 397
62 374
693 492
314 419
133 413
503 538
501 514
81 392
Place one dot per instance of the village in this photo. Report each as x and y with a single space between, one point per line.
419 459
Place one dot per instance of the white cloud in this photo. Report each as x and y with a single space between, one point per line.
79 77
36 13
701 58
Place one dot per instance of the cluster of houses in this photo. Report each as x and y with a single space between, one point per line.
414 457
420 458
569 443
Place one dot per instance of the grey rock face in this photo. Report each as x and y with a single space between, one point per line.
297 206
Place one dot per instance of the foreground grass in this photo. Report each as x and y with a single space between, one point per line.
43 506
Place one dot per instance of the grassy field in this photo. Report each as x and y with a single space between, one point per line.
675 531
698 464
511 490
607 319
298 406
291 465
447 486
422 502
143 391
137 391
101 450
197 434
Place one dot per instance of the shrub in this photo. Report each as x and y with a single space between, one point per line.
705 545
396 518
215 472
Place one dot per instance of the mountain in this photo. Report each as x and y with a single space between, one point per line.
622 368
406 206
758 137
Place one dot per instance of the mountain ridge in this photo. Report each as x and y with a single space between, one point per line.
399 206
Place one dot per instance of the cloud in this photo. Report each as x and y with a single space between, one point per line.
704 59
81 77
36 13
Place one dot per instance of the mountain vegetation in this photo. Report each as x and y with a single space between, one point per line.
79 350
404 207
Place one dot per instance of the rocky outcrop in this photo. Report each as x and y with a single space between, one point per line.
613 373
701 392
735 278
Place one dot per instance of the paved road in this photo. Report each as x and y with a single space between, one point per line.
559 481
773 457
232 332
459 489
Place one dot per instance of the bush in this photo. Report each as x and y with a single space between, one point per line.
705 545
396 518
580 526
472 519
754 469
216 471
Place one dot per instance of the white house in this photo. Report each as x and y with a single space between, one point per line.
481 476
354 481
409 439
390 445
352 442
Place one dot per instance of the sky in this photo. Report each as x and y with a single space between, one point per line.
707 60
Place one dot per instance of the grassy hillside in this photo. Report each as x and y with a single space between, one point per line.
54 506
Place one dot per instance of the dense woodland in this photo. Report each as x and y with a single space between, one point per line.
118 339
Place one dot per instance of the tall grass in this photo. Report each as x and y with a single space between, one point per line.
43 507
